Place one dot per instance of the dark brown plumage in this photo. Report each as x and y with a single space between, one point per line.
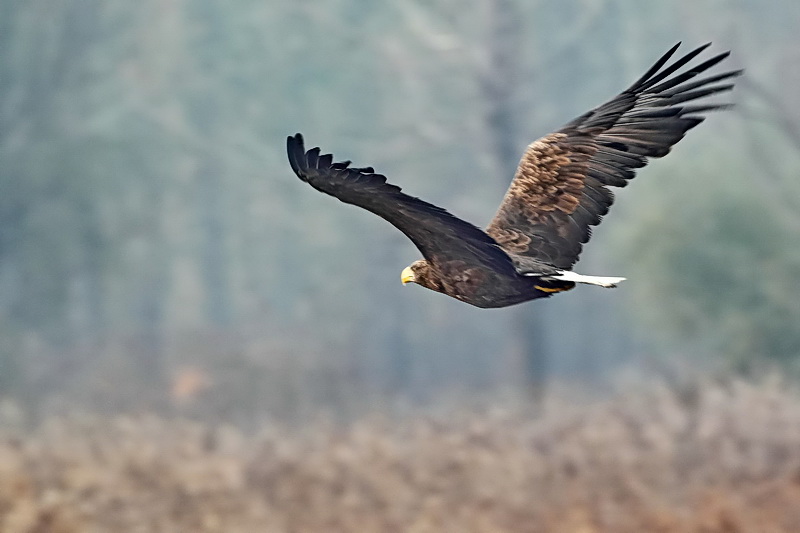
559 191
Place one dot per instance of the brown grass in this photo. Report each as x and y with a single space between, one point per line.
719 458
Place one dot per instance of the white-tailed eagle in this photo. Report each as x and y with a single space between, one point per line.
560 190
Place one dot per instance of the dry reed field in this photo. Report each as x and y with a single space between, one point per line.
716 458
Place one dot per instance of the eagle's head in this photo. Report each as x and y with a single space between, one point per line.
422 273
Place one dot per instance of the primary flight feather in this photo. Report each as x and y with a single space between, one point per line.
559 191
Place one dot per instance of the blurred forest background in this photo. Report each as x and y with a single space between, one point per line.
191 339
156 252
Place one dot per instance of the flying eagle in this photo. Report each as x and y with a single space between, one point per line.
560 190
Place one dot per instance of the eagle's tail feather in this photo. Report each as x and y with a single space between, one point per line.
602 281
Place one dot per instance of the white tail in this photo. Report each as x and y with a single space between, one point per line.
607 282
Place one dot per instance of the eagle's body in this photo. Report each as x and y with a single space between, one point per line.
481 284
559 191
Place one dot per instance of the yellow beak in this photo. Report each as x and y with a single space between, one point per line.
407 275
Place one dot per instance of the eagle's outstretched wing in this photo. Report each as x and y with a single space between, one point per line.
561 185
438 234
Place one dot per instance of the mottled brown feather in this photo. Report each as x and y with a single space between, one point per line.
549 178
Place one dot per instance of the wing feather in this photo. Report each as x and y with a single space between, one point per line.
561 186
438 234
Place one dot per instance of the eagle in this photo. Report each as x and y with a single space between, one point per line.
560 190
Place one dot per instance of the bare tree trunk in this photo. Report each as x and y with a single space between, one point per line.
213 257
498 85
